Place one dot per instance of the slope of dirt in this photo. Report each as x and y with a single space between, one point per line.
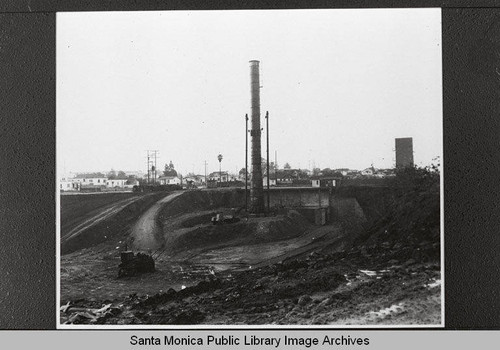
75 208
388 275
92 272
363 285
117 220
199 200
410 226
247 231
100 215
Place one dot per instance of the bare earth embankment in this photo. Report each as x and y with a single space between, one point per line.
275 270
76 208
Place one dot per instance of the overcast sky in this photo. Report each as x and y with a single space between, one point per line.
340 86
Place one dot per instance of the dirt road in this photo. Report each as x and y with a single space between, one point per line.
101 216
263 254
147 233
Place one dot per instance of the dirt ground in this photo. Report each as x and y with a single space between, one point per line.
74 208
277 270
316 289
101 219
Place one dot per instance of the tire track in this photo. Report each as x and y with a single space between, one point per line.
95 219
146 231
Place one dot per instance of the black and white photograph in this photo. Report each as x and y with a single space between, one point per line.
250 168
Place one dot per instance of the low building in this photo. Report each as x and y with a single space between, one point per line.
67 185
91 179
272 181
131 182
195 180
169 180
367 172
284 177
324 181
118 182
220 176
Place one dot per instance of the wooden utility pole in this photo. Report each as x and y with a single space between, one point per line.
267 159
276 166
246 162
154 174
206 184
148 166
153 168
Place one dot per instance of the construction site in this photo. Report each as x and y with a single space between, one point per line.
255 255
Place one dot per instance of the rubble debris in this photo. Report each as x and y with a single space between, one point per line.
79 315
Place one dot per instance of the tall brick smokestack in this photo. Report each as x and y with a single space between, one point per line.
256 190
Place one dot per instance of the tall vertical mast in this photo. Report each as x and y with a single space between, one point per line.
246 162
256 190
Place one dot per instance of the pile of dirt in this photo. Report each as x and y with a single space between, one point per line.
246 231
198 200
409 229
200 219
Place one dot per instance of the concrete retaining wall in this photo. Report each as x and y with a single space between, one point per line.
298 198
346 210
319 206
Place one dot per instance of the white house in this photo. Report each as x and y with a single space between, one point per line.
169 180
66 185
284 177
196 180
93 179
222 176
272 181
324 182
130 183
112 183
367 172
